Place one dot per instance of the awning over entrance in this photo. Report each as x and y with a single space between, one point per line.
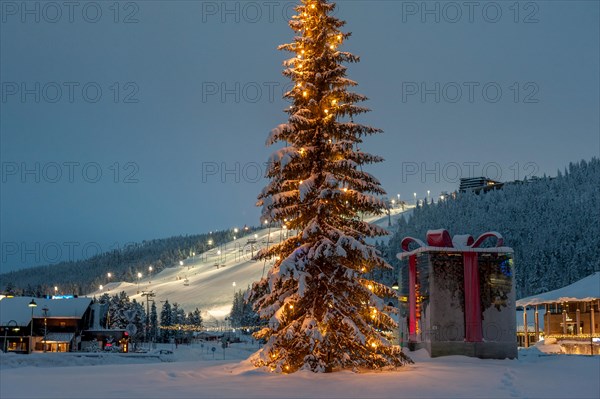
59 337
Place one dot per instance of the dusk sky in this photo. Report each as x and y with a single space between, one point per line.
149 119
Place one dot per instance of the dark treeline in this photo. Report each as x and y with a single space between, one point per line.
553 225
174 321
86 275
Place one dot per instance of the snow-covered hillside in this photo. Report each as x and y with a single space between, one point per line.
198 282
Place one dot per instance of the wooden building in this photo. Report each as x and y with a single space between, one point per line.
571 313
37 324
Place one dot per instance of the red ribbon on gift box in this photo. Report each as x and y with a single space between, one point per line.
463 243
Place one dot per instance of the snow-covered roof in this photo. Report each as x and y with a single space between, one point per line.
586 289
503 250
18 309
440 241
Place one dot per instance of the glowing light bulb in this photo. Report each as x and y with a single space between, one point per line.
326 111
304 93
301 181
299 55
331 46
370 287
373 344
312 6
339 37
345 189
291 306
333 102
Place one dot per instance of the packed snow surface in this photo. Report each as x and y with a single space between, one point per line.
208 287
191 372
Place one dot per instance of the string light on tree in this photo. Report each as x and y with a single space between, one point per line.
317 192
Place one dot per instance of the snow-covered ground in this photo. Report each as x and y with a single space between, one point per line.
210 288
191 372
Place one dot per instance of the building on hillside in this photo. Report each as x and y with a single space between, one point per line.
53 325
461 296
478 184
570 316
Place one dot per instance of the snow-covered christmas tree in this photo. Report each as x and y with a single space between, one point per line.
323 313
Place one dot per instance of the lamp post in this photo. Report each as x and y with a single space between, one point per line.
55 290
32 305
45 310
150 273
139 276
6 333
415 195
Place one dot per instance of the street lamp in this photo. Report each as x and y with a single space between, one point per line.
32 305
233 288
45 310
15 328
428 195
101 287
415 195
150 273
55 290
139 276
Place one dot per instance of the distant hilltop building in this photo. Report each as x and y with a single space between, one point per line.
478 184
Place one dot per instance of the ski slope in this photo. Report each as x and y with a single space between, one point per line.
208 287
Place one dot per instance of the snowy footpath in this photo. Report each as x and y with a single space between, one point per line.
192 372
